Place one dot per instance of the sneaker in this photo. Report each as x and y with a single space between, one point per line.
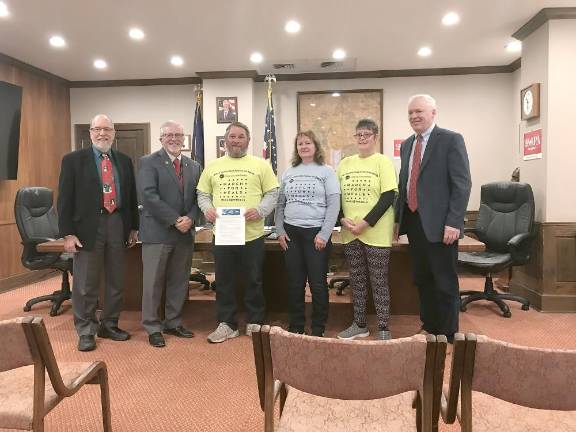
252 327
222 332
353 332
383 335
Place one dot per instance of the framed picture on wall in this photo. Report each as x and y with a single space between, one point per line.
226 109
187 146
220 146
332 116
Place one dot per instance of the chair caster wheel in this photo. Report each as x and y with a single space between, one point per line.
27 308
507 314
462 308
525 307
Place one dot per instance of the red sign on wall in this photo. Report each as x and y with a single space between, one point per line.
533 144
397 143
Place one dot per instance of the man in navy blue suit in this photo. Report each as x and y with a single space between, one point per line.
434 188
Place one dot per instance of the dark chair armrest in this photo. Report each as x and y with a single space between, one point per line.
520 247
34 260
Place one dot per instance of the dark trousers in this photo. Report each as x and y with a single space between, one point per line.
305 263
246 261
434 266
108 253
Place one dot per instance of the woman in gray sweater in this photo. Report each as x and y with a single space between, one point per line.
308 206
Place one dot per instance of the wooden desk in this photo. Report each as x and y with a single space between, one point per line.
403 293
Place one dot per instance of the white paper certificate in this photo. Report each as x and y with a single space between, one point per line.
230 226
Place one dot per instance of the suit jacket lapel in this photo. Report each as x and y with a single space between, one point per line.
90 167
185 167
165 160
429 147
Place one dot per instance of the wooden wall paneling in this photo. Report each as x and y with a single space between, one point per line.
44 140
549 278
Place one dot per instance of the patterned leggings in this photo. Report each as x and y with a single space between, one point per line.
369 265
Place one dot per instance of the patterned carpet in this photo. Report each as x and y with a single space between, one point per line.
194 386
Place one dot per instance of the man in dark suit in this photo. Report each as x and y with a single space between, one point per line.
434 187
226 114
98 217
167 184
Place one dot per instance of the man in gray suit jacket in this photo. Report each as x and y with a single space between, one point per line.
434 187
167 186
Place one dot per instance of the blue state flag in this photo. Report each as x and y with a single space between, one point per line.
198 136
270 133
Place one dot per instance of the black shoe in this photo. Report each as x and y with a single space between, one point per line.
179 332
87 343
156 340
113 333
296 330
318 332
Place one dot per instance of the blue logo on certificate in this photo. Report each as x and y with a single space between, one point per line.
231 212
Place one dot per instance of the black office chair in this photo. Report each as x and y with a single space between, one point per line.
505 225
37 222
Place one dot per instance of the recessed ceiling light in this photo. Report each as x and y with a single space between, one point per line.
176 60
335 94
514 46
136 34
292 26
100 64
339 54
450 19
312 104
4 10
57 41
424 52
256 57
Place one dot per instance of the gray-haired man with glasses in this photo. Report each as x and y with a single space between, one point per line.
167 185
98 218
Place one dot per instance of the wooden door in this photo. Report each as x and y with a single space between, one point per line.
132 139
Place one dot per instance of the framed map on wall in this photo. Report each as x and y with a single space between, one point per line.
332 116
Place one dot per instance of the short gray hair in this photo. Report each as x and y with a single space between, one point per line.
168 124
429 99
104 116
369 124
240 125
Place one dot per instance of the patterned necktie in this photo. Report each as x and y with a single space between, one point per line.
108 184
414 174
178 173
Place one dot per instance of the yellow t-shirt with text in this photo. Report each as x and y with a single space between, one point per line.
239 182
362 181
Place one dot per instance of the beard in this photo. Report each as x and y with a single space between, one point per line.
103 146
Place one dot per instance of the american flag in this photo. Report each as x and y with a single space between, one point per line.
270 129
198 135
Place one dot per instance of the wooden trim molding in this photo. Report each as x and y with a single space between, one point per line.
23 279
549 278
29 68
252 74
136 82
543 17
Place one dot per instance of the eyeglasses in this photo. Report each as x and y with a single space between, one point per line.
97 130
360 136
173 135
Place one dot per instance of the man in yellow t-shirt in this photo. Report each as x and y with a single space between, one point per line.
238 180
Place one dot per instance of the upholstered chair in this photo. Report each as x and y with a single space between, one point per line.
512 388
32 382
335 385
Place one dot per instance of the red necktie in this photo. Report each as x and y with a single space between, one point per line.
178 173
414 173
108 184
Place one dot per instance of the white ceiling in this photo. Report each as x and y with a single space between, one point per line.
220 35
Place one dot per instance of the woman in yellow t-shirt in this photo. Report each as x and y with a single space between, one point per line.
368 186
